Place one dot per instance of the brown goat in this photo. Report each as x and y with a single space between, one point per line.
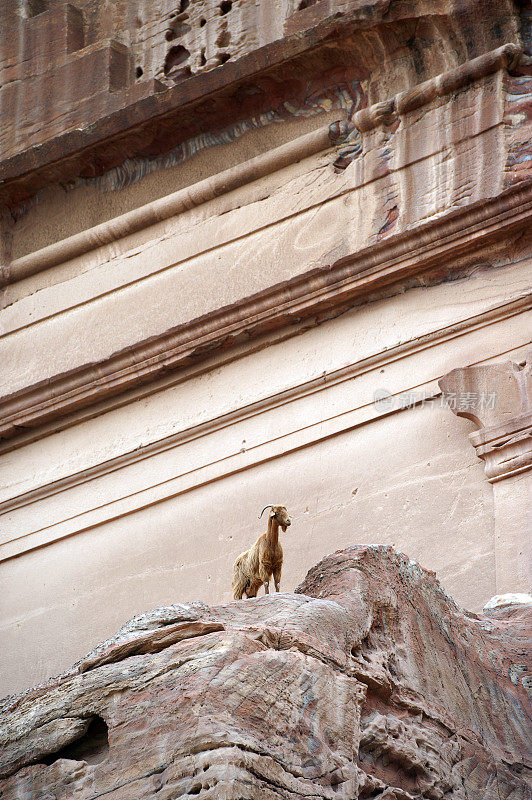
254 568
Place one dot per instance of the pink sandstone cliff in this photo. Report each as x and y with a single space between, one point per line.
368 682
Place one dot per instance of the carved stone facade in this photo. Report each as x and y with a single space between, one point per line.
240 244
499 401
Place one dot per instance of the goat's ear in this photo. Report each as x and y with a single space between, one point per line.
272 513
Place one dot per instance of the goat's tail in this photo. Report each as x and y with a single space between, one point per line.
240 581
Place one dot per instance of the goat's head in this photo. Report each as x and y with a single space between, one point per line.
281 515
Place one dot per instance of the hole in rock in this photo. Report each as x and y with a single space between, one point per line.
183 5
225 7
92 747
223 57
176 55
174 32
358 649
306 4
34 7
203 60
223 39
139 72
202 22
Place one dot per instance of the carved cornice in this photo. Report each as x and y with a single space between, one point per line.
157 123
498 398
230 179
387 112
154 123
321 290
505 449
160 484
364 35
375 362
173 204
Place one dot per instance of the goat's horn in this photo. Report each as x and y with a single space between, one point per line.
264 509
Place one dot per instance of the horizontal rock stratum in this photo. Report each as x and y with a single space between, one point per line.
368 682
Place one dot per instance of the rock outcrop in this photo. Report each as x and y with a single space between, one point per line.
368 682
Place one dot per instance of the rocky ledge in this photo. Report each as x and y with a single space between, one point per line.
368 682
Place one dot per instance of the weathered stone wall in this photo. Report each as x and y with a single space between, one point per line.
369 682
242 286
65 66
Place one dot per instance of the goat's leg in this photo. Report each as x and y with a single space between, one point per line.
277 579
264 577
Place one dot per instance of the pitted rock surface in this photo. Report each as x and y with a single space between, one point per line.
368 682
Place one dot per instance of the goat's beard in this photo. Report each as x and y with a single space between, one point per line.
284 528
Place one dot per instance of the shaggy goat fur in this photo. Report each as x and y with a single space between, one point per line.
255 567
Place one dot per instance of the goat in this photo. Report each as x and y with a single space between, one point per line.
254 568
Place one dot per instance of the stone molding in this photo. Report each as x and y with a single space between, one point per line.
515 307
171 205
157 117
505 449
148 113
378 361
318 291
387 112
363 120
229 461
498 398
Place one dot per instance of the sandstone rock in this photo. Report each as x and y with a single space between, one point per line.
368 682
510 599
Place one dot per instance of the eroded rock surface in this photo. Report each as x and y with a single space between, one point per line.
368 682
